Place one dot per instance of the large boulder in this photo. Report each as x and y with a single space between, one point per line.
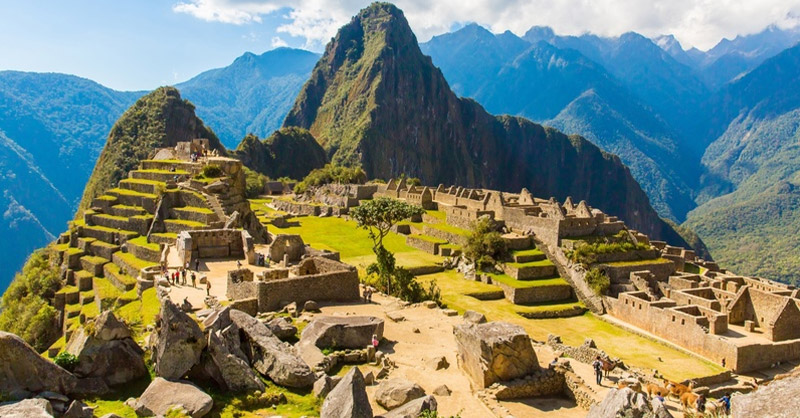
271 357
163 395
414 408
22 369
28 408
622 403
282 327
348 399
105 349
494 352
781 398
337 332
179 342
395 392
230 367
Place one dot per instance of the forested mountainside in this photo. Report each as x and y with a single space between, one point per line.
374 99
52 126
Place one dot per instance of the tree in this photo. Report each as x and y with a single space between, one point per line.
378 216
485 246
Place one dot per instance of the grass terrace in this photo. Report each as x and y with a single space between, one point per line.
438 214
637 262
529 252
522 284
133 261
195 209
185 223
141 241
127 192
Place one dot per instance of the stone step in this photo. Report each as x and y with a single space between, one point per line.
131 264
118 278
106 234
109 221
530 271
104 202
143 186
94 265
528 256
83 280
167 238
103 249
168 165
133 198
144 250
87 297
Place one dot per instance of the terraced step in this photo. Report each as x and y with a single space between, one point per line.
524 292
425 243
167 238
143 185
103 249
449 250
134 198
106 234
72 257
558 309
530 271
73 310
105 293
194 213
144 250
93 265
110 221
131 264
83 280
183 197
527 256
84 243
121 280
71 294
87 297
178 225
168 165
157 175
126 211
104 202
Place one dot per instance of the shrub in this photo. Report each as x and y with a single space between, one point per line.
255 183
598 281
212 171
586 253
331 174
485 246
66 361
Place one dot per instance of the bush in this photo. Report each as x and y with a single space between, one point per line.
331 174
66 361
598 281
25 310
212 171
586 253
255 183
485 246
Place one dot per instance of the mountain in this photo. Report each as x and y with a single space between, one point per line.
731 59
374 99
565 89
755 159
157 120
252 95
52 126
288 152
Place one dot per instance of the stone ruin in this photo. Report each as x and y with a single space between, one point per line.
215 243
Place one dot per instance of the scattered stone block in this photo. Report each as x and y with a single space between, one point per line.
162 395
395 316
179 342
438 363
414 408
396 392
474 317
450 312
494 352
28 408
430 304
348 399
442 390
310 306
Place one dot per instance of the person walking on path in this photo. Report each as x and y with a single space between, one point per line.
183 276
197 265
194 280
598 370
208 287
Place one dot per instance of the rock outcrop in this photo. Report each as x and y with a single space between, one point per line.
337 332
271 357
106 350
414 408
396 392
622 403
28 408
282 327
22 369
230 368
348 399
162 395
781 398
474 317
494 352
179 342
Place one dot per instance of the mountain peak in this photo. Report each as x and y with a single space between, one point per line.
539 33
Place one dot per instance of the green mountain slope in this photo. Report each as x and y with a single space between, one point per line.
288 152
52 126
374 99
158 119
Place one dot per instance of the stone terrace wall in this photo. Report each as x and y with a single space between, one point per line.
528 295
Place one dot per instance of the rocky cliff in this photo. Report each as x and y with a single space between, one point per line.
159 119
288 152
374 99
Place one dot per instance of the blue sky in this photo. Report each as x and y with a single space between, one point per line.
141 44
124 45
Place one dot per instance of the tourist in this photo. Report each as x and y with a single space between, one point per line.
194 279
701 403
723 362
375 341
183 276
598 370
726 403
554 362
197 265
208 287
238 264
660 398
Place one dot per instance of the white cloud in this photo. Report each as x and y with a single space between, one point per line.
701 23
277 42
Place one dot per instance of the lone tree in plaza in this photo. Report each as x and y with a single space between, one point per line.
378 216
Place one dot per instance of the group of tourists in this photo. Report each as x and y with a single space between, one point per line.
178 277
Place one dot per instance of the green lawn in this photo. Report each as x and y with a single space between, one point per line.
141 241
532 251
520 284
616 341
540 263
354 243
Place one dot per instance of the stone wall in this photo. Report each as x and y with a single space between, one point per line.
215 243
621 273
574 274
423 244
544 382
332 284
452 237
528 295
